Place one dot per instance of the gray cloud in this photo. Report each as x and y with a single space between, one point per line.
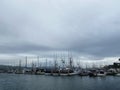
86 27
22 48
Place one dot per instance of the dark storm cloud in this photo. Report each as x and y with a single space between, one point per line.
22 48
105 48
86 27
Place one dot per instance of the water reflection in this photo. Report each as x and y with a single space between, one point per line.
33 82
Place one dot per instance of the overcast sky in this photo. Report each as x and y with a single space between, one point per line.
88 28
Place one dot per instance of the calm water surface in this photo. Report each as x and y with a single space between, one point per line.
34 82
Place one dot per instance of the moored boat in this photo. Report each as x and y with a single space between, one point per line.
83 73
93 73
111 72
101 73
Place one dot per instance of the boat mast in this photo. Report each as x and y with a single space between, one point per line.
70 61
26 62
46 63
63 62
55 62
19 66
38 61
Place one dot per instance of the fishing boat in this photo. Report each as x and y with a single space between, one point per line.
48 72
111 72
101 73
93 73
83 73
68 72
40 72
118 74
19 70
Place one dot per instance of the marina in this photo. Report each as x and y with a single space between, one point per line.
64 69
59 44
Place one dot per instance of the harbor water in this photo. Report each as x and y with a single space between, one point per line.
37 82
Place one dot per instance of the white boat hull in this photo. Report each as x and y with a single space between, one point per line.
101 75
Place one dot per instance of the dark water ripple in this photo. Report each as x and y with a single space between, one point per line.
33 82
